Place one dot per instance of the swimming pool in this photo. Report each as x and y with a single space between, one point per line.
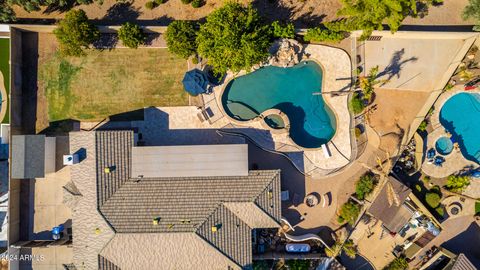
460 116
291 90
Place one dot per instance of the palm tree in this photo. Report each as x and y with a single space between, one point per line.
392 196
368 83
347 247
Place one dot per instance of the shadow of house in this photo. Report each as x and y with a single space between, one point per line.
468 243
395 66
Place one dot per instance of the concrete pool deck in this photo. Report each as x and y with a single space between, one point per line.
336 67
455 161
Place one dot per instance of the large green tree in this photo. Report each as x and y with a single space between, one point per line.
369 15
234 38
472 11
181 38
457 183
349 213
75 33
131 35
6 12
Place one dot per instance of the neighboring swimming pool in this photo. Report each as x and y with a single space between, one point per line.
290 90
460 115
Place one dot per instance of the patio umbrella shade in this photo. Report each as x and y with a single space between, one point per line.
195 82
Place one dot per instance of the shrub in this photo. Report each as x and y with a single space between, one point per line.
423 125
75 33
234 38
197 3
358 132
418 188
349 212
319 34
131 35
364 186
298 264
186 2
195 60
356 104
150 5
280 30
432 199
397 264
457 183
6 12
440 211
180 37
159 2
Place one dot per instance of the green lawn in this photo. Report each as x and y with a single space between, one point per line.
5 69
105 83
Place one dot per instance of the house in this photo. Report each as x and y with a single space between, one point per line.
442 259
406 210
143 207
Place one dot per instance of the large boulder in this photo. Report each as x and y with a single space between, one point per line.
285 53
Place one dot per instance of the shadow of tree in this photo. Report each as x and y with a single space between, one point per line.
273 10
395 66
62 6
122 12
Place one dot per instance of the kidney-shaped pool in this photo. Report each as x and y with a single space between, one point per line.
292 91
460 116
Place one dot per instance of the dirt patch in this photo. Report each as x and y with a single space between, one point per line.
302 13
395 111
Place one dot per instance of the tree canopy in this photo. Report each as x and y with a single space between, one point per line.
369 15
348 248
234 38
364 186
322 34
280 30
6 12
131 35
472 11
181 38
75 33
349 213
457 183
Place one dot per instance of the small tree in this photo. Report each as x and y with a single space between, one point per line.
369 15
197 3
280 30
349 213
364 186
320 34
347 247
356 104
472 11
368 83
432 199
457 183
298 264
234 38
75 33
131 35
399 263
180 37
6 12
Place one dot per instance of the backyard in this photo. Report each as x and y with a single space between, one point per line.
105 83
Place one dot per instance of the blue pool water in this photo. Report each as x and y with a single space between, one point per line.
290 90
444 145
460 115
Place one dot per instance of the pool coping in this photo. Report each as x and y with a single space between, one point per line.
337 65
260 118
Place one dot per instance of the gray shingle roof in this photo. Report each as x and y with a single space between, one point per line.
188 204
28 156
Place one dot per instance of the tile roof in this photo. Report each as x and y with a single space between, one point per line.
187 205
393 217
